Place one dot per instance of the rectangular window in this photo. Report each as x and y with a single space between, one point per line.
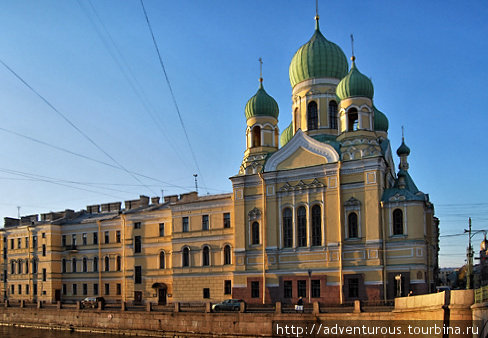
84 238
353 289
5 276
85 289
5 253
255 289
287 289
34 289
227 287
12 243
301 288
117 236
137 275
12 289
137 244
137 225
107 237
204 222
95 289
186 226
34 241
12 268
20 289
75 289
44 275
95 238
227 220
316 288
27 289
27 242
161 229
19 243
44 249
107 289
73 240
43 235
206 293
64 289
119 289
63 240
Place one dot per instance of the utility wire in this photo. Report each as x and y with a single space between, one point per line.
126 71
172 94
73 125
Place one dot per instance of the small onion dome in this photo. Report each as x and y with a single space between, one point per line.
484 244
403 149
355 84
286 135
380 120
319 57
261 104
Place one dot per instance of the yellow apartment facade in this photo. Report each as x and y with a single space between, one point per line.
319 212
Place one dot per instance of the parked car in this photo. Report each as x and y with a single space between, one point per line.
228 305
92 302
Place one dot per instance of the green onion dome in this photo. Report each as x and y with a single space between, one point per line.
380 120
261 104
286 135
355 84
318 58
403 149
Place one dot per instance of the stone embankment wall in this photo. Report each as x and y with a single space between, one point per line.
454 305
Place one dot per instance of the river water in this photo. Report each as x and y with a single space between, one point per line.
18 332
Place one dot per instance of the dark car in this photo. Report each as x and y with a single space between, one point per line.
92 302
228 305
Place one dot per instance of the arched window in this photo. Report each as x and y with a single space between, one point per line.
85 264
353 120
227 259
302 226
316 225
256 136
205 256
255 233
107 263
186 257
118 263
287 228
333 115
162 262
397 222
95 264
352 221
297 119
12 267
73 265
312 116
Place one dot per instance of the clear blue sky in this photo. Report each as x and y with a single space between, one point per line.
95 62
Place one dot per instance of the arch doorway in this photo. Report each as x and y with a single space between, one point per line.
162 292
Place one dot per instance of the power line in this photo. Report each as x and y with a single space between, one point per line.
72 124
172 94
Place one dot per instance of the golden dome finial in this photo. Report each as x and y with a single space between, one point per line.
260 70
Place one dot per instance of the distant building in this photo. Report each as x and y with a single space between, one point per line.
325 216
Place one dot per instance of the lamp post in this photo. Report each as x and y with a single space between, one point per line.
470 254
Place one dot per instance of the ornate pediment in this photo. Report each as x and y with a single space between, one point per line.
254 214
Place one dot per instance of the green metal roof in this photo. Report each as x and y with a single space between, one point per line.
355 84
318 58
286 135
410 192
403 149
261 104
380 120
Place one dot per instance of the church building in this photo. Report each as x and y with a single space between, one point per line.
319 211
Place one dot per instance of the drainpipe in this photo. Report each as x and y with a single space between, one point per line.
339 206
263 226
383 228
124 284
100 262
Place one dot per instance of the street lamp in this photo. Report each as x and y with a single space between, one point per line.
470 254
398 279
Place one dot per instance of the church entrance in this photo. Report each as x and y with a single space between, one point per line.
162 292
